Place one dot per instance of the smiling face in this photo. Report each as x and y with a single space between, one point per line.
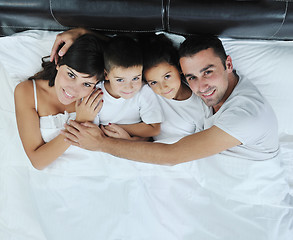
164 79
71 85
124 82
207 76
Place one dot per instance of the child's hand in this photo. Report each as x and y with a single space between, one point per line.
88 108
113 130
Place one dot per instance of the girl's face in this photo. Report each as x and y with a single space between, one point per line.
164 79
71 85
124 82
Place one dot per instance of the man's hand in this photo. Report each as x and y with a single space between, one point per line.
67 38
85 135
88 108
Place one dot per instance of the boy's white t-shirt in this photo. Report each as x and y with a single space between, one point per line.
142 107
182 118
247 116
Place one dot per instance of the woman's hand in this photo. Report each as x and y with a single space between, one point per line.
88 108
113 130
67 38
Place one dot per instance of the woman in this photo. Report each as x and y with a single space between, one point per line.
49 98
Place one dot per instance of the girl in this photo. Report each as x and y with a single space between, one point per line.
50 98
182 109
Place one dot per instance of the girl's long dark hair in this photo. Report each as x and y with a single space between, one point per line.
84 56
159 49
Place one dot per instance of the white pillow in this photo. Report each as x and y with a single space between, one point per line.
268 65
20 58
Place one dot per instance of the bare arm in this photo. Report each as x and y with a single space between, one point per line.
41 154
115 131
142 129
195 146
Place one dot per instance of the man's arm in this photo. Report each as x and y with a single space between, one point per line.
67 38
192 147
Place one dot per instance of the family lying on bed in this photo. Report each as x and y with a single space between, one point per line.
96 90
245 125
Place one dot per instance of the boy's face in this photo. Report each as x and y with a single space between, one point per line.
124 82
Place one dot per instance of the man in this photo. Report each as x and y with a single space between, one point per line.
241 123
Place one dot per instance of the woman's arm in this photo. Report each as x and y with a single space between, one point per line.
41 154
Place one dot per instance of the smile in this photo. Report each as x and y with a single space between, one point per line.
127 93
67 94
209 93
169 91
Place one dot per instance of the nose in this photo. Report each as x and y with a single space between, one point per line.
202 85
129 86
163 85
73 87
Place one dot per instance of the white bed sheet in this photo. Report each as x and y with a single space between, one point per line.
136 200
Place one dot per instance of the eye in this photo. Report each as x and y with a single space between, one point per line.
190 78
87 84
152 83
167 76
71 75
207 72
135 79
119 80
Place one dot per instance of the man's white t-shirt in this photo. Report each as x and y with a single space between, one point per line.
142 107
250 172
247 116
181 118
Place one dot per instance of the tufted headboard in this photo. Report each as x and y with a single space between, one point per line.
254 19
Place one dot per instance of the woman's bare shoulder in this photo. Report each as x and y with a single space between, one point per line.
25 87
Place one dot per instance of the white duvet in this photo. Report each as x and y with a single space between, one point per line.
108 198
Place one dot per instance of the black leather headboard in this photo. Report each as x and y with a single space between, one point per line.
262 19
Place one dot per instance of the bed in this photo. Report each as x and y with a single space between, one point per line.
137 200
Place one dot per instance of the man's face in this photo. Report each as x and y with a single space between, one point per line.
207 76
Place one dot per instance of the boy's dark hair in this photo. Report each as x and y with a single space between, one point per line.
159 49
84 56
122 51
195 44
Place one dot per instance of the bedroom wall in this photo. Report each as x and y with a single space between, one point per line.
256 19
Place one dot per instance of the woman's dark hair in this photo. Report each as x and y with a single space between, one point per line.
159 49
84 56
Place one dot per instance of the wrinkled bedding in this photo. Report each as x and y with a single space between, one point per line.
110 198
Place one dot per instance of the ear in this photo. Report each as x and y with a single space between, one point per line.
106 74
57 67
229 65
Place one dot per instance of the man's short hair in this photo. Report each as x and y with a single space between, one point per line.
122 51
195 44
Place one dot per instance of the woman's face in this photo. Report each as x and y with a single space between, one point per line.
164 79
71 85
